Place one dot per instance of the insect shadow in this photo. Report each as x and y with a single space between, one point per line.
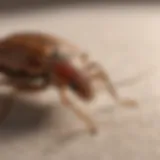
26 117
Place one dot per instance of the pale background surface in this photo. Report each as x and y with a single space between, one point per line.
126 41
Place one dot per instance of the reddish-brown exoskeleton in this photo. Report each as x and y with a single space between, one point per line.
25 58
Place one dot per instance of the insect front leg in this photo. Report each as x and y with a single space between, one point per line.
99 74
112 91
79 113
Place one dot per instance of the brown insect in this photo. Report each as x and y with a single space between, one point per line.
33 61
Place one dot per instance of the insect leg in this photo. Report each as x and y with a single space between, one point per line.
85 118
105 79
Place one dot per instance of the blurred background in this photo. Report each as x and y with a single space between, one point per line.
17 5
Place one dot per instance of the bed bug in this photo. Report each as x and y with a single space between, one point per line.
28 57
